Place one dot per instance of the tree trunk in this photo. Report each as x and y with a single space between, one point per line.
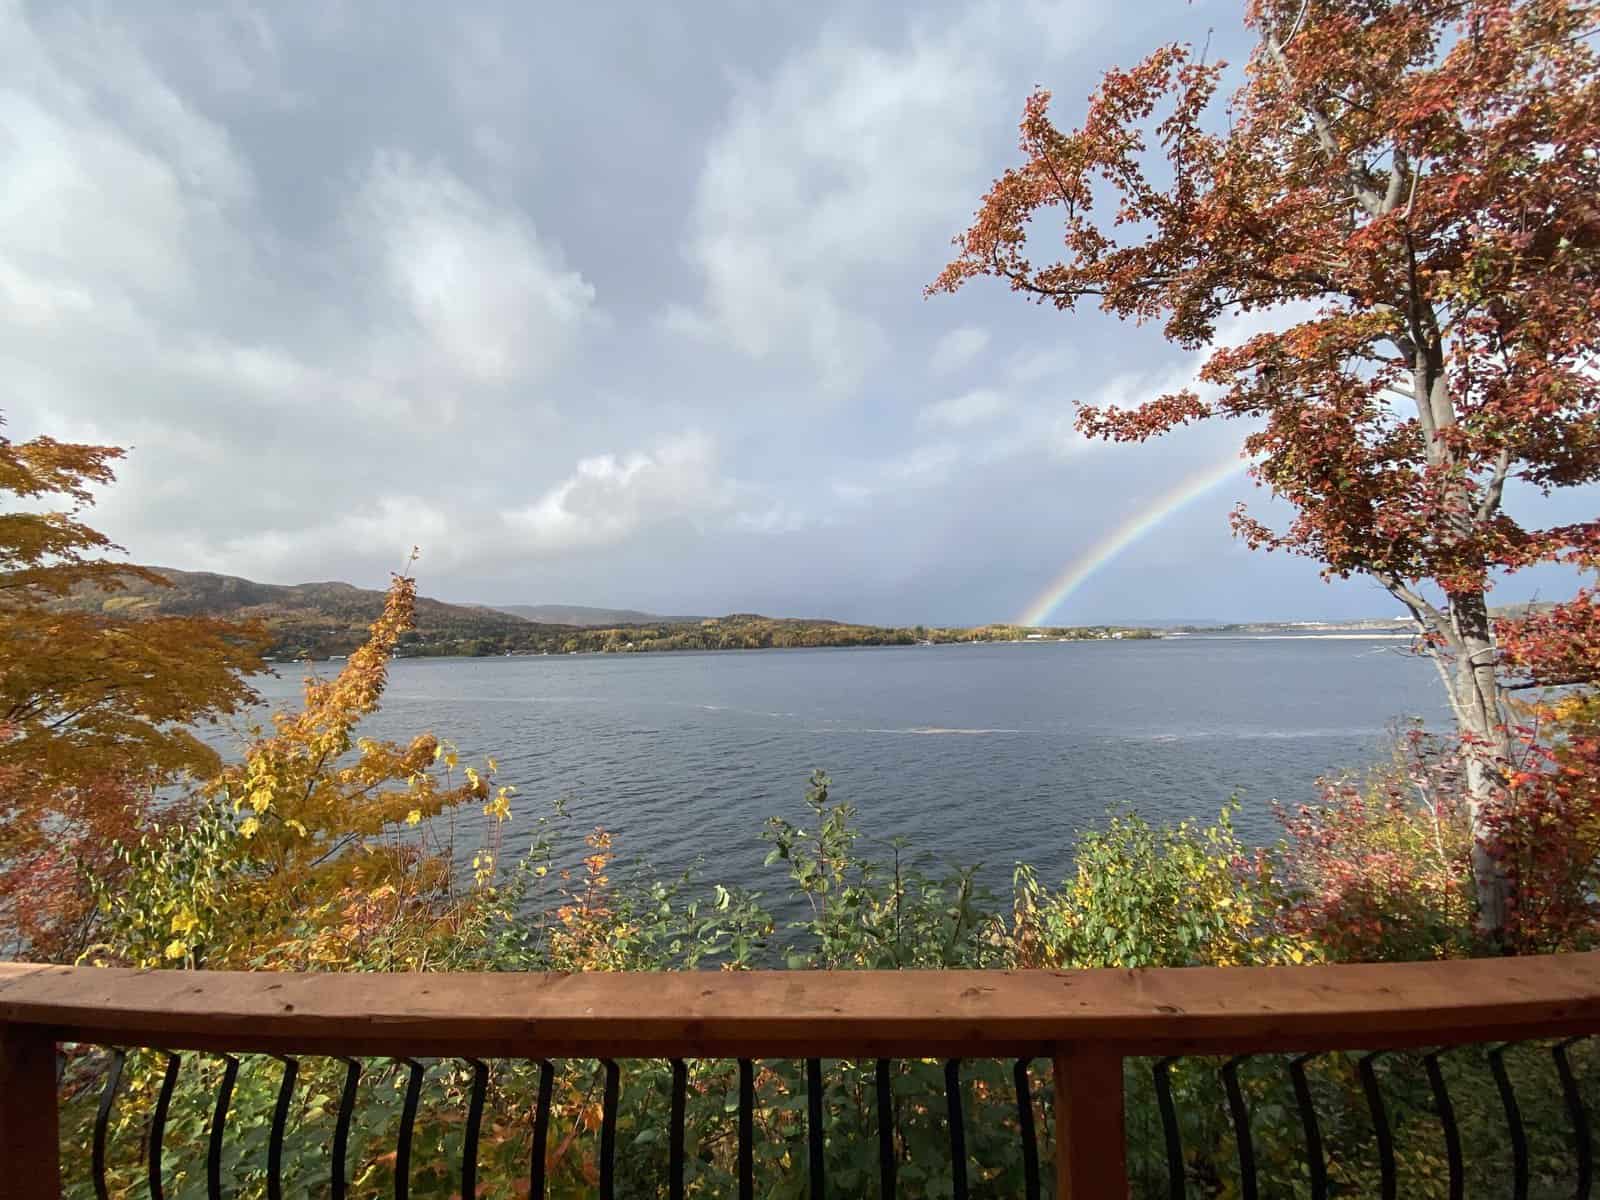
1465 646
1478 703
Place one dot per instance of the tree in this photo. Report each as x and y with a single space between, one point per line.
1406 190
324 816
96 712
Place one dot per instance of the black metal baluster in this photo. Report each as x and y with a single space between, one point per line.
408 1121
1315 1159
1447 1120
1025 1130
541 1130
280 1121
102 1120
1169 1127
1241 1127
958 1129
675 1135
219 1120
469 1143
341 1128
1380 1123
608 1133
888 1165
814 1124
1519 1137
1577 1114
747 1129
158 1124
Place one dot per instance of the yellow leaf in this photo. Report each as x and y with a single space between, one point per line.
248 829
176 948
414 816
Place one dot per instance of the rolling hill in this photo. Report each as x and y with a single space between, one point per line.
315 619
321 620
586 617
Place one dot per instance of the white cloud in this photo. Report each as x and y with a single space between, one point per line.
609 498
95 211
840 163
957 348
494 299
1033 366
961 412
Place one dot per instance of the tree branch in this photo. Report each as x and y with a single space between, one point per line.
1361 189
1496 487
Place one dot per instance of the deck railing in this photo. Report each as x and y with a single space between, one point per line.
1084 1023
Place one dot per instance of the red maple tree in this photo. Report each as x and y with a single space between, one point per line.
1407 190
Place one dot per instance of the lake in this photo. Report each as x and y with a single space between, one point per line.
977 753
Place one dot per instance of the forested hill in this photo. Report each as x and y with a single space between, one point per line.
315 619
583 615
321 619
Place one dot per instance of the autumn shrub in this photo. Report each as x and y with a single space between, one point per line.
1147 896
1379 868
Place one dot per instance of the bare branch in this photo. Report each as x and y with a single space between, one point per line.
1361 189
1496 487
1425 614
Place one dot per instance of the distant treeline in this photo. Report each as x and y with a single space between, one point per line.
739 632
323 620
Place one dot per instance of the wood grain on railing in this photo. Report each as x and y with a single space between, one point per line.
1087 1022
847 1014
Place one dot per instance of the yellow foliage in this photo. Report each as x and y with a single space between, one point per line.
319 798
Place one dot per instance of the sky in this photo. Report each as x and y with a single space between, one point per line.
596 304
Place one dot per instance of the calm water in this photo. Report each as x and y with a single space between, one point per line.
984 753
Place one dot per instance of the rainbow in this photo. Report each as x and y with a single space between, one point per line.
1119 539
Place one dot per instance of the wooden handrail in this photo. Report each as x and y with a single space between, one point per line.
847 1014
1087 1022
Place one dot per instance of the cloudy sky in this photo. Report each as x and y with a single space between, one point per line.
604 304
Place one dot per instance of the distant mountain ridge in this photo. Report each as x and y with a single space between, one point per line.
315 619
587 617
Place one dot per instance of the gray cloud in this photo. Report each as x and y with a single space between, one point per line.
618 307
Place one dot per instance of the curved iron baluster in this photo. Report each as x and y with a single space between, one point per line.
408 1121
1380 1122
541 1130
1169 1127
1315 1158
888 1166
469 1143
1577 1114
158 1124
1519 1137
675 1133
341 1128
747 1130
1447 1119
1241 1127
280 1122
1025 1131
102 1120
958 1129
219 1120
608 1133
814 1124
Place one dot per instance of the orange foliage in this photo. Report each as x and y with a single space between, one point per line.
94 709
